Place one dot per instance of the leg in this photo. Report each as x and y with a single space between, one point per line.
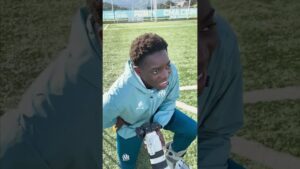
128 150
184 128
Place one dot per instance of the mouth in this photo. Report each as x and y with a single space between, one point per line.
164 84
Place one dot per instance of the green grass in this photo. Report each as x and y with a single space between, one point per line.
248 164
269 37
274 124
189 97
182 40
32 33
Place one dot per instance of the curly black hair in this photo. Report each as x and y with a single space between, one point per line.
145 45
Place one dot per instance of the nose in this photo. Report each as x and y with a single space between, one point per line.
165 73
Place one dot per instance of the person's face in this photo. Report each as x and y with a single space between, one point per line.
155 70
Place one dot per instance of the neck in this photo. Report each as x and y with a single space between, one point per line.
141 80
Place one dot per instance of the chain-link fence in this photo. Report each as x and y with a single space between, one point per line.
148 10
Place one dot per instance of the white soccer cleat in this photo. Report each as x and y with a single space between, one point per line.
174 159
180 164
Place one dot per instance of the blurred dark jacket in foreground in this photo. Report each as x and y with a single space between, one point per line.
220 104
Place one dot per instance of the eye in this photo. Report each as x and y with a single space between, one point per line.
155 71
168 66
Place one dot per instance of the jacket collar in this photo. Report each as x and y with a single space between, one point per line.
134 79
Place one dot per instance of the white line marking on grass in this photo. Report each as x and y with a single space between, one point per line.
266 156
106 27
187 107
182 88
272 94
146 27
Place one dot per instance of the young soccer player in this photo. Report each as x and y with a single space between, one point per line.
147 91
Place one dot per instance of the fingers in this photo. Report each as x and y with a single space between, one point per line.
119 123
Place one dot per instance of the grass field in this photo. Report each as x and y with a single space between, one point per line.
189 97
269 38
182 40
248 164
274 124
31 34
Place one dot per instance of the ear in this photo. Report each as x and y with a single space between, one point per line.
137 70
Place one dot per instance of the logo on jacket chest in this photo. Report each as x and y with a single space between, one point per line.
140 106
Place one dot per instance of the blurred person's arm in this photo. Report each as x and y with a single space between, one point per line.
110 111
220 103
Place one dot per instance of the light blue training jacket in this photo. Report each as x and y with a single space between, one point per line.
132 101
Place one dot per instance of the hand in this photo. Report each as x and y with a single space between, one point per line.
119 123
161 137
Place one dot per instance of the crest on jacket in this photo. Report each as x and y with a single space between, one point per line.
140 106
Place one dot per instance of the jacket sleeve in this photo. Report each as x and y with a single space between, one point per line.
220 116
110 110
167 108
